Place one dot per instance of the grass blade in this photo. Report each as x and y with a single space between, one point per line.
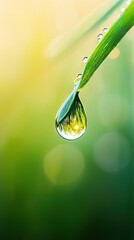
108 43
64 44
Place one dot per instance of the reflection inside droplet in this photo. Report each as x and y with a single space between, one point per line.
74 124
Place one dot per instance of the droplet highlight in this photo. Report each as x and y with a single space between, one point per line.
84 59
74 124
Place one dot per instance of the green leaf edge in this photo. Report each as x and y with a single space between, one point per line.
64 109
108 43
68 42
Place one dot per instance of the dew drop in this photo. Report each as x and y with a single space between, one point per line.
76 81
74 124
84 59
105 30
99 37
128 2
79 75
122 10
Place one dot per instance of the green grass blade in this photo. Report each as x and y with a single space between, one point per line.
67 104
65 43
108 43
89 30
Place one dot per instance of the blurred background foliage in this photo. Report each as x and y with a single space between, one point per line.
51 188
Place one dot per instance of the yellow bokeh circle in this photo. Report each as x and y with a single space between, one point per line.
63 164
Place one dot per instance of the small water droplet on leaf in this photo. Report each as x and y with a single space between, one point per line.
128 2
79 75
99 37
105 30
122 10
76 81
74 124
84 59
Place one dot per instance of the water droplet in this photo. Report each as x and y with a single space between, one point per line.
76 81
128 2
99 37
85 59
74 124
122 10
105 30
79 75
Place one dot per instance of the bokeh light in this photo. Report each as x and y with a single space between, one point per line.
64 164
112 152
115 53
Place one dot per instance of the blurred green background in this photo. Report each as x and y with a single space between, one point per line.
51 188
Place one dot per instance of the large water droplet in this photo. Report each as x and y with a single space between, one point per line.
74 124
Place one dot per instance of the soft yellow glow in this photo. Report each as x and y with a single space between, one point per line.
115 53
64 164
76 127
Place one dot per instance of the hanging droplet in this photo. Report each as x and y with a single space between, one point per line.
84 59
105 30
79 75
74 124
99 37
